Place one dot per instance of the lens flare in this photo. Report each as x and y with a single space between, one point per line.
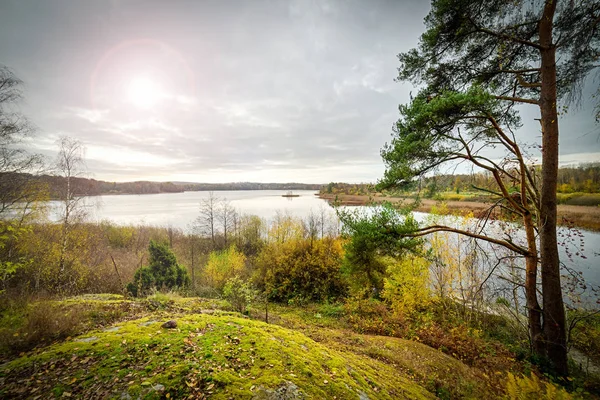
143 92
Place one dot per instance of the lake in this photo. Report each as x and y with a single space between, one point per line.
179 210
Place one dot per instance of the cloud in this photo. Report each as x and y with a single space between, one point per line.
261 90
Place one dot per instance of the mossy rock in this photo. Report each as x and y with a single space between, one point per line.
218 356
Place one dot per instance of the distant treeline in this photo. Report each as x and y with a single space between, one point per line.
584 178
91 187
248 186
348 188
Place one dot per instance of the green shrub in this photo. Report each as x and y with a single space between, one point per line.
239 294
163 272
223 265
301 270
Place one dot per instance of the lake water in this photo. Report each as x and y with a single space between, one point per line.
179 210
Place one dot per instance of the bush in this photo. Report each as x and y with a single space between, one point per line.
224 265
365 314
406 287
300 270
239 294
162 273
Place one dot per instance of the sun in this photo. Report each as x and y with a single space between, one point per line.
144 92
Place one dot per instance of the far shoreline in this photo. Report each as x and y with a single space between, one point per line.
582 217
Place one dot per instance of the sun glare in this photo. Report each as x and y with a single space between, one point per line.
144 93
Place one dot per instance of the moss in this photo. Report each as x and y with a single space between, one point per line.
438 372
222 356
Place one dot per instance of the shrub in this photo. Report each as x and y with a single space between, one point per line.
224 265
163 272
239 294
372 236
300 270
406 287
365 314
585 334
119 237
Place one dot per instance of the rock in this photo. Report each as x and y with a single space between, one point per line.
147 323
87 339
287 391
172 324
158 387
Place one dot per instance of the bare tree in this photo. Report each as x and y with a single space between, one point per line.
69 165
207 220
17 184
226 215
312 226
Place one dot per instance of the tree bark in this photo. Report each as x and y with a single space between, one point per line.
534 312
553 308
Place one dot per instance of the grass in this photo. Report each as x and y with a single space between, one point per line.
579 199
315 350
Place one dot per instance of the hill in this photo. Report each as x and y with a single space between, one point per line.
222 355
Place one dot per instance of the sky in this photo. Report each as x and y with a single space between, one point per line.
227 91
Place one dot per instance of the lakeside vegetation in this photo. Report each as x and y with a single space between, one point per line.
577 185
578 196
435 333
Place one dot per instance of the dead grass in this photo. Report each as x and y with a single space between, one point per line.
584 217
40 323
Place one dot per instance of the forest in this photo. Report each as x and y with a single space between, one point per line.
92 187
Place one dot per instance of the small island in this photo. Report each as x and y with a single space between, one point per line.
290 194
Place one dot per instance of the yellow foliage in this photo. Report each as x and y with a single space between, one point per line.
407 284
284 227
301 269
455 272
531 388
223 265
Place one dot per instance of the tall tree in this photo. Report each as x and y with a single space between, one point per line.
21 193
457 126
523 52
69 164
227 216
208 218
17 184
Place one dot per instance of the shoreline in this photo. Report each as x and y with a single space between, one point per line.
581 217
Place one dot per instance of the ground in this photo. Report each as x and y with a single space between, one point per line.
219 354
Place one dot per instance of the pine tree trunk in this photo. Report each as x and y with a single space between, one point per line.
553 308
534 312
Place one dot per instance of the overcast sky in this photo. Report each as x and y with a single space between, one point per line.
222 91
